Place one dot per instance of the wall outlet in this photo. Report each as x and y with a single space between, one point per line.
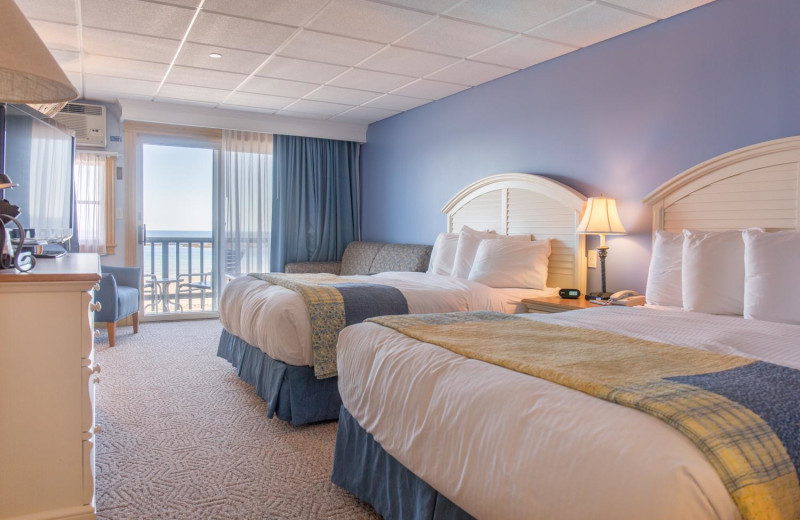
591 259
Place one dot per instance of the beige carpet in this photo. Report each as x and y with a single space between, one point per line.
184 438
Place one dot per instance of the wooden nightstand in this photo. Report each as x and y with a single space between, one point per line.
552 304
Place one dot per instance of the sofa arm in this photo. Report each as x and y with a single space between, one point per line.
106 295
125 276
313 267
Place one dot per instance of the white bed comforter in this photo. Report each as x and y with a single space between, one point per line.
275 319
505 445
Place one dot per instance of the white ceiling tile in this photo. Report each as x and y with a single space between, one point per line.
121 86
76 79
470 73
69 61
591 25
61 11
317 107
407 61
367 20
365 115
186 101
196 55
294 12
523 52
431 6
246 108
183 3
258 100
57 35
427 89
123 45
111 96
181 75
515 15
310 45
277 87
301 115
347 96
300 70
135 16
452 37
124 68
659 8
371 80
248 35
209 95
392 102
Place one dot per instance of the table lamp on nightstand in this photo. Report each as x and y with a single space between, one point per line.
601 218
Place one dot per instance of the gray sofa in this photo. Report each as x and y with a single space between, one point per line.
370 258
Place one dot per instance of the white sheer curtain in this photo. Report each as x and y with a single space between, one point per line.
49 187
90 195
247 173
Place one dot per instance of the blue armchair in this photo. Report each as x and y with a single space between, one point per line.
119 297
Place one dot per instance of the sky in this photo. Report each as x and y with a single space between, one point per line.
178 185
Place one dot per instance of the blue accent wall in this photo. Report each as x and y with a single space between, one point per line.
618 118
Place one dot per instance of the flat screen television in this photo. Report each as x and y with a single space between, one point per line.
38 154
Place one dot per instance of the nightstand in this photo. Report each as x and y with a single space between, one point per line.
552 304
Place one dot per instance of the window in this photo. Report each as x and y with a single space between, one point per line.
94 202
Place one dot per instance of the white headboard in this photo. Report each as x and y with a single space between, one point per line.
755 186
522 203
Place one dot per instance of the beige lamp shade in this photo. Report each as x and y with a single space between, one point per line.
28 72
601 218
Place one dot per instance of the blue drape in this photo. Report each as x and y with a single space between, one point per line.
315 203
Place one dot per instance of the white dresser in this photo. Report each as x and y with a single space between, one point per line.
47 381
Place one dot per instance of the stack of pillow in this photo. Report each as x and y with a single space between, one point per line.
491 259
748 273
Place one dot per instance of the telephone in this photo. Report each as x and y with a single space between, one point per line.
627 298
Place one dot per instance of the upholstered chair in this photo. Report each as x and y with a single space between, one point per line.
118 297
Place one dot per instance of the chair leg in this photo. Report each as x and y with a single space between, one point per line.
136 322
112 333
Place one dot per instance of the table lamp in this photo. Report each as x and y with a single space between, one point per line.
601 218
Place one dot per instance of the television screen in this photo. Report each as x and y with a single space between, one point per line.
38 155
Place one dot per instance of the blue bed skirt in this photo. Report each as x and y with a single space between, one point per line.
365 469
292 393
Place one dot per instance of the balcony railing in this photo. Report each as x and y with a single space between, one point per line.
178 274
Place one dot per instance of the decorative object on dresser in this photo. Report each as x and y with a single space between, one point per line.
47 382
601 218
551 304
118 298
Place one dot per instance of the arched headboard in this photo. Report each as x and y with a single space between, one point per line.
755 186
522 203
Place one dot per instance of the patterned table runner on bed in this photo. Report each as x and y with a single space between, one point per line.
742 413
333 303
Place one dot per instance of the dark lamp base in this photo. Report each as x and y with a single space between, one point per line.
598 295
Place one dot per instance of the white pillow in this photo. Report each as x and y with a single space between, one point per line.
443 254
468 241
771 284
664 276
511 263
713 272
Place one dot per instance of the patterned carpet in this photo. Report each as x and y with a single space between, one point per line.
184 438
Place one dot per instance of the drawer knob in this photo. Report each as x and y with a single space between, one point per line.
96 306
96 333
96 380
97 429
96 287
96 369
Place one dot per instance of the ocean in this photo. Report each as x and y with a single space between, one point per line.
159 241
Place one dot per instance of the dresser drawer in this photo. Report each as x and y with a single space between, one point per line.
89 380
87 325
88 471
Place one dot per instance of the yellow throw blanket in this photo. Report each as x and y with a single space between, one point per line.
742 413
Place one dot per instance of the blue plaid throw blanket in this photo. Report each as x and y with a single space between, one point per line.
333 303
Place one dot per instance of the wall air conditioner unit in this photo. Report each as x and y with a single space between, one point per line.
87 121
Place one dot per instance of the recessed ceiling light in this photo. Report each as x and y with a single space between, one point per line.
215 55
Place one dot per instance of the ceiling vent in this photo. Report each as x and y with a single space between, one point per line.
87 121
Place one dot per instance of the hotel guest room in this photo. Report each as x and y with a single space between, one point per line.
402 259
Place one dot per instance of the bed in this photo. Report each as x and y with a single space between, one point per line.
427 433
267 332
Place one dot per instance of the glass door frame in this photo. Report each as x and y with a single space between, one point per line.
136 136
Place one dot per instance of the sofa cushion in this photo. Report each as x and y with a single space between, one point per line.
401 257
358 257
